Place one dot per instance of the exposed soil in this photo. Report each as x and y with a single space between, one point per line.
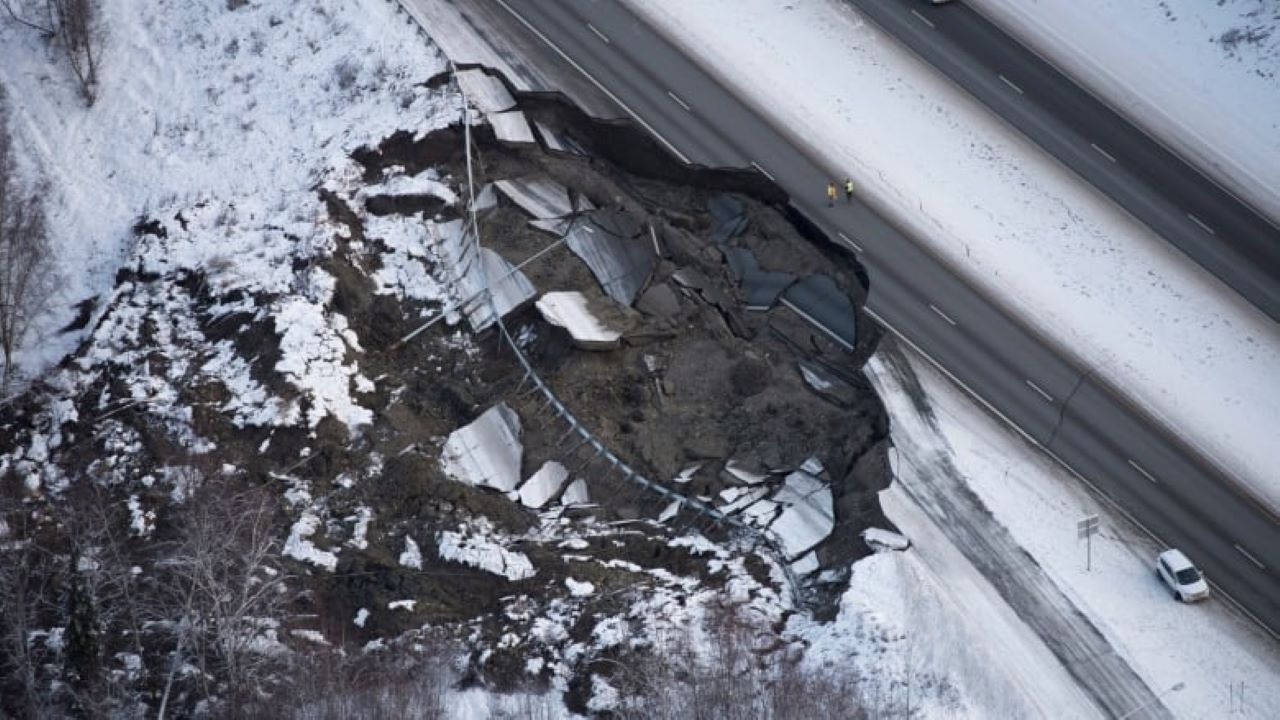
697 380
727 385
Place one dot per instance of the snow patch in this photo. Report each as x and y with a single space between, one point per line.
298 547
484 554
411 556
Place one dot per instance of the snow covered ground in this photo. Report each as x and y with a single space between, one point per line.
924 630
1204 77
1008 217
185 116
1210 647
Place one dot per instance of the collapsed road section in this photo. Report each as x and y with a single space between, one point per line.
356 383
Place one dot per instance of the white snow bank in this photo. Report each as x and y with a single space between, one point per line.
902 631
484 554
1011 220
1208 646
1200 76
486 452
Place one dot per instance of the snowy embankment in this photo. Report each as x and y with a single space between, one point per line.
1203 77
945 644
187 117
1210 647
1062 257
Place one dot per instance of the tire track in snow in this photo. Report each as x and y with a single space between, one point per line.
938 487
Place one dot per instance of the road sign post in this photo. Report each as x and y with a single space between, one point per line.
1086 528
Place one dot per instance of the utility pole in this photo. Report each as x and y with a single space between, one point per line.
1085 530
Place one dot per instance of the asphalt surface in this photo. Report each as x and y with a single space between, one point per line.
1169 491
1210 225
941 491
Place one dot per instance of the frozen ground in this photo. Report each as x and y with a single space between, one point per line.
1009 218
186 116
1210 647
924 630
1202 76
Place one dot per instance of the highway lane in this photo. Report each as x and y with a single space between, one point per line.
1015 373
1206 222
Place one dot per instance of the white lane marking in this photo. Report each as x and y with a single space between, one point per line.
941 314
679 102
1102 152
1141 470
922 18
814 322
764 172
884 323
1117 507
1252 559
599 34
1037 388
1009 82
849 242
1200 222
538 33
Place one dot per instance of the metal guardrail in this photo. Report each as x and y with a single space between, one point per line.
472 247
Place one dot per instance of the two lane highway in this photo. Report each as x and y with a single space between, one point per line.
1021 377
1211 226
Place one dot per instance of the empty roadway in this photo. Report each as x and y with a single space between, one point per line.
1210 225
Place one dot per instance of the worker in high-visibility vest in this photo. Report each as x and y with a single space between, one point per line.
848 190
831 194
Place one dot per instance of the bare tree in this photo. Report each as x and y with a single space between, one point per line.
74 23
25 589
226 588
25 259
19 14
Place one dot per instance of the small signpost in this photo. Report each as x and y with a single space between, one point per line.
1085 530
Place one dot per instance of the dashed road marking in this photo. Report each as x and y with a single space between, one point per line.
1252 559
599 34
848 241
679 102
1200 222
764 172
1102 152
1037 388
542 36
1142 471
922 18
1010 83
941 314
